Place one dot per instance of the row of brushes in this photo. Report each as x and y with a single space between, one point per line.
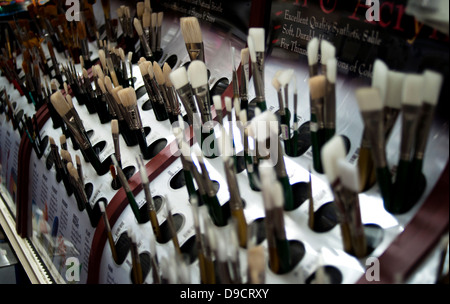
415 96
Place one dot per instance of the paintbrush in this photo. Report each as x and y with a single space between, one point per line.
209 245
256 46
233 252
116 142
146 50
129 100
192 35
160 106
217 101
411 106
160 17
235 203
184 149
393 102
294 145
78 189
317 86
146 26
109 235
311 220
332 152
107 13
371 107
171 224
245 76
327 52
77 130
433 84
154 262
348 176
234 75
171 93
79 169
135 259
60 168
144 67
284 123
256 261
312 50
250 160
199 240
140 8
329 108
82 36
127 189
222 265
150 203
214 207
279 251
161 82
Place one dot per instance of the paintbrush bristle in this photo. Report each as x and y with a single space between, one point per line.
127 97
243 117
276 84
59 103
154 20
62 139
263 126
101 84
217 100
379 78
150 71
237 105
332 70
348 175
115 126
85 73
285 77
313 51
228 104
433 85
251 49
102 57
66 155
146 20
159 76
143 67
78 160
413 90
143 173
140 7
394 89
99 72
167 70
259 38
160 18
277 194
190 29
138 26
369 99
332 151
328 51
51 140
179 77
256 264
317 86
198 74
245 56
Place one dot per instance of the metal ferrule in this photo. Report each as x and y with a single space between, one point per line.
330 106
172 95
244 84
167 103
235 197
409 126
135 121
112 106
318 105
210 191
156 91
79 189
375 133
202 96
187 98
158 38
196 51
78 120
280 166
258 80
78 135
423 130
313 70
282 110
148 86
146 48
147 34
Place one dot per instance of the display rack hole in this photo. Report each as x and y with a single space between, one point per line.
334 275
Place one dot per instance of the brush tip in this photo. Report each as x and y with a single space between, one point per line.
127 96
179 77
413 87
228 104
328 51
258 36
312 50
369 99
332 70
115 126
331 152
198 73
348 175
217 100
379 78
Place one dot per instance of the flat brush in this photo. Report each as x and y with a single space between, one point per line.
161 81
127 189
199 240
171 93
60 168
236 204
192 35
154 262
312 50
109 235
116 142
148 197
245 76
284 120
348 176
222 265
146 26
160 19
256 46
144 68
135 259
371 107
393 102
129 100
209 245
332 152
80 194
433 85
329 108
160 106
234 75
184 149
317 93
77 131
146 50
248 155
411 106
